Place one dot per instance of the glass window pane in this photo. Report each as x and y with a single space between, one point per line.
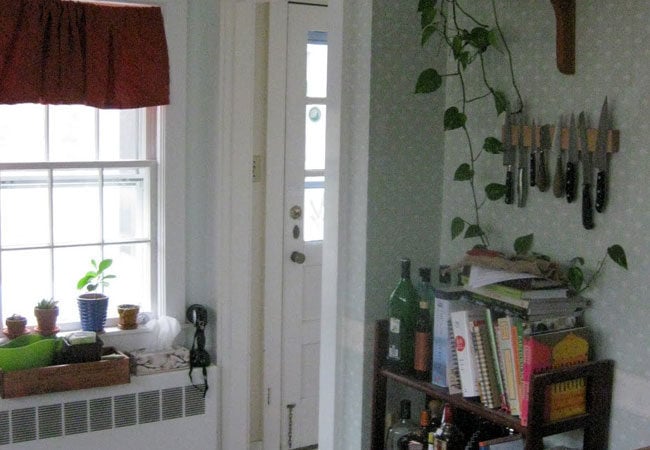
317 64
126 202
70 264
119 134
132 267
26 279
21 225
72 133
314 208
76 207
22 132
315 124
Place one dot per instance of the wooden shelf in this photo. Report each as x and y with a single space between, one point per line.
598 376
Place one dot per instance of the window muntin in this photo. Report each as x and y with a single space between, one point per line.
76 196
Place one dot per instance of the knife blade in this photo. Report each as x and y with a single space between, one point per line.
587 170
508 157
558 177
541 177
521 166
600 159
572 162
532 170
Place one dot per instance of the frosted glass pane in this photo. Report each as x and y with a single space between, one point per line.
126 196
26 276
314 208
22 133
76 208
72 133
25 219
315 124
317 64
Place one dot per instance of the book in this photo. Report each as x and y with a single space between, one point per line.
512 442
467 360
529 294
526 307
509 362
492 328
487 372
546 351
444 371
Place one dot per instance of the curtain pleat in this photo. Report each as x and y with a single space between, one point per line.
66 52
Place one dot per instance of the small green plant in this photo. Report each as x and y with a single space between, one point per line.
47 304
16 317
97 277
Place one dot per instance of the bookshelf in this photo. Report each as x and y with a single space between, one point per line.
595 423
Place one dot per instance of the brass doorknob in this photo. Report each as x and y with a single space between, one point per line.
297 257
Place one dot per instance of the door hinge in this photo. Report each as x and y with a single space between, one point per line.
268 396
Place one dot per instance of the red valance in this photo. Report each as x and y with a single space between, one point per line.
64 52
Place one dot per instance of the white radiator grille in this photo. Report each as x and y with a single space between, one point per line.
103 413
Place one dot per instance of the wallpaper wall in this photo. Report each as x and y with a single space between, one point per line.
612 59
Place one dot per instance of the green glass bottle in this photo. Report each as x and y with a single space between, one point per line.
403 309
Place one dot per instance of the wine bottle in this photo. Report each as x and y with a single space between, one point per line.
423 339
426 291
402 313
401 428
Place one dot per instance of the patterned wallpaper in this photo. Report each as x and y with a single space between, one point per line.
612 59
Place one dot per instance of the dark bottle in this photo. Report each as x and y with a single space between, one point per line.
423 342
448 436
402 428
402 313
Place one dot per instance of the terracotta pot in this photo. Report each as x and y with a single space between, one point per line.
46 320
128 316
15 327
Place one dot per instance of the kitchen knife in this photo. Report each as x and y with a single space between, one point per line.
572 162
521 166
600 159
541 177
532 171
508 157
587 169
558 178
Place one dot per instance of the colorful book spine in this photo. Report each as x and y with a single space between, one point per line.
509 362
490 321
489 391
444 371
467 361
547 351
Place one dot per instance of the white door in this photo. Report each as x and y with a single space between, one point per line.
306 113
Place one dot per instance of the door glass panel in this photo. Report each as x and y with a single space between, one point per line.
314 208
316 64
315 120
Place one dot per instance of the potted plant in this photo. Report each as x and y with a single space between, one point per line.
15 326
127 316
46 312
92 304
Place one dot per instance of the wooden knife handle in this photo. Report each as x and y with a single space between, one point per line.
533 170
601 191
509 197
587 208
542 174
565 35
558 180
570 185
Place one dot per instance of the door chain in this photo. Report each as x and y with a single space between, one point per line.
290 427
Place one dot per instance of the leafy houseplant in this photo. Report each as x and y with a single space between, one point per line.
15 325
93 304
469 40
46 312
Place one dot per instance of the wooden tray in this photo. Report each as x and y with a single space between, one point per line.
66 377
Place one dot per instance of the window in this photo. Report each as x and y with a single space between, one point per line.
76 183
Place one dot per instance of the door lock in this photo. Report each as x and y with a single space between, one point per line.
295 212
297 257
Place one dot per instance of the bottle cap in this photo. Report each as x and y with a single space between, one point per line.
425 273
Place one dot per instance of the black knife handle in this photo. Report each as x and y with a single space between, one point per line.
558 179
587 208
533 170
570 185
601 191
509 197
542 174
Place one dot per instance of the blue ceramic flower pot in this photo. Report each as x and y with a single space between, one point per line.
92 311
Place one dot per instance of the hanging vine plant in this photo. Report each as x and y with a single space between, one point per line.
447 21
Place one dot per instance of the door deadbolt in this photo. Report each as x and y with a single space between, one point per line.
297 257
295 212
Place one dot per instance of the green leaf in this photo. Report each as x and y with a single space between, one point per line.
473 231
542 256
617 254
457 227
500 101
456 46
494 40
479 39
427 32
426 4
463 173
495 191
428 81
576 278
428 16
454 119
578 260
464 59
523 244
492 145
104 264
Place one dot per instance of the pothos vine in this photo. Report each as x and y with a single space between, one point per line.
445 19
